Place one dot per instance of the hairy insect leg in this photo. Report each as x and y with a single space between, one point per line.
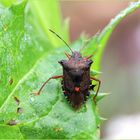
94 98
53 77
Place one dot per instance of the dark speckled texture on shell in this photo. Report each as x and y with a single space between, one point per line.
76 73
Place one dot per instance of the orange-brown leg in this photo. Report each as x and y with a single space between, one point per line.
53 77
68 55
94 98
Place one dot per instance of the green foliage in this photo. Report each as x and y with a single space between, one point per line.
7 3
99 41
28 56
47 15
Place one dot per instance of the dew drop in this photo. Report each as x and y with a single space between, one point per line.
32 99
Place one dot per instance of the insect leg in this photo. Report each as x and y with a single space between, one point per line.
94 98
53 77
68 55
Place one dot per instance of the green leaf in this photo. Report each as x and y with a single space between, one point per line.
26 61
47 15
99 41
18 47
7 3
94 73
25 65
101 96
7 132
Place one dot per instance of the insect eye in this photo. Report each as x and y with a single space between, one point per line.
64 64
90 62
87 65
61 62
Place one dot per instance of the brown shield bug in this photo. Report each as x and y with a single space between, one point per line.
76 79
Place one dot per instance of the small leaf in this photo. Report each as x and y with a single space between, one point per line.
98 42
94 72
102 118
101 96
107 31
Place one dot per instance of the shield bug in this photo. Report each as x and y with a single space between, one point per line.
76 79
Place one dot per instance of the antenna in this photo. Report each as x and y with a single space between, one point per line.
61 39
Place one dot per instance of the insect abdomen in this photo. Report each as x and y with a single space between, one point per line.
76 90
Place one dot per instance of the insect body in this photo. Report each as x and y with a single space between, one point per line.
76 79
